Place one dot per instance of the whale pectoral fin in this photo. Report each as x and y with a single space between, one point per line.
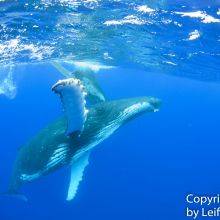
73 97
77 170
61 69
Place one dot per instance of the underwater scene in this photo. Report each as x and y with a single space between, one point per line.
109 109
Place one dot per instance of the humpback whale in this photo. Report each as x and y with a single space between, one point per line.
70 138
87 78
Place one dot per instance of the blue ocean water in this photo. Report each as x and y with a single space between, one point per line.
164 49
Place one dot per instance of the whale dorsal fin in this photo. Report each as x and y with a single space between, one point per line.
77 169
73 97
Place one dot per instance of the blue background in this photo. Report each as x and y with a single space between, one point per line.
143 171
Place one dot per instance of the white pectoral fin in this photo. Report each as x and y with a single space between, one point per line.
77 170
73 97
61 69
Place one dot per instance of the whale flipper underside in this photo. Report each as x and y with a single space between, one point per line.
77 168
73 98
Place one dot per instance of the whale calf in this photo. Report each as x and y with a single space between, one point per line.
70 139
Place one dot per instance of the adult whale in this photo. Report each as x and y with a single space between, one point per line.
87 78
70 139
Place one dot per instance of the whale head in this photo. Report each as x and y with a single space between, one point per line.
153 104
104 118
135 106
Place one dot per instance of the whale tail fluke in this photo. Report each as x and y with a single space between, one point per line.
16 195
